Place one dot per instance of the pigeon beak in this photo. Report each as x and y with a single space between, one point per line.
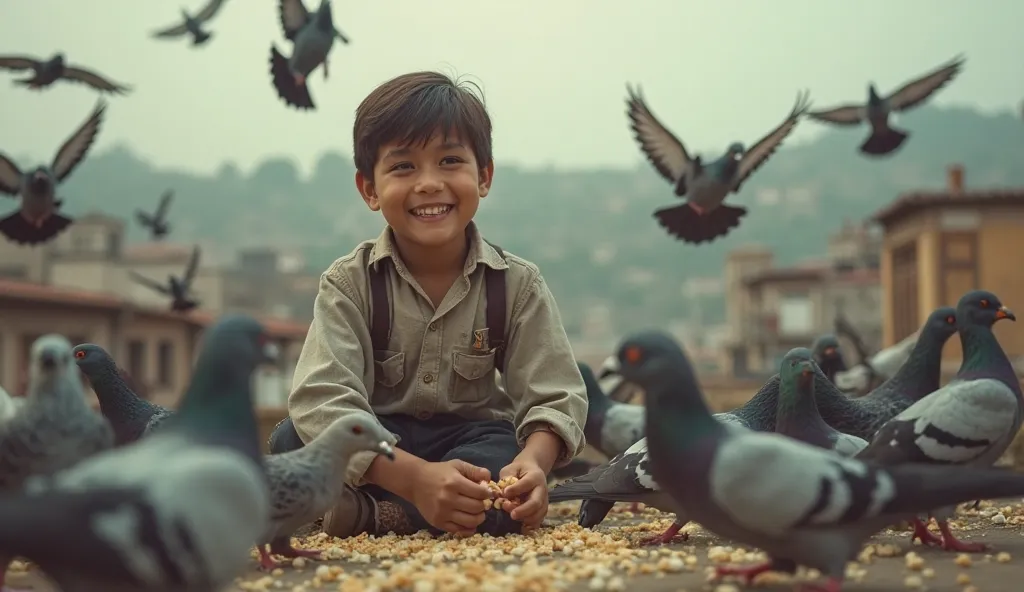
386 449
1005 313
271 351
830 351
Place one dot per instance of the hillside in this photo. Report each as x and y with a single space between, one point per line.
591 232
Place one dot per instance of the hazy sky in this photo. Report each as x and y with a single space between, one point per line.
553 71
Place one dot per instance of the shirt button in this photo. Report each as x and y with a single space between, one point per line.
422 415
432 326
428 378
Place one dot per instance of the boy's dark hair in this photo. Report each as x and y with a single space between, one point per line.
411 108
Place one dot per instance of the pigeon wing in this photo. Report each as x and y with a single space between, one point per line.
143 218
18 62
917 91
292 491
209 11
624 478
766 146
94 80
293 16
193 266
165 204
75 147
10 176
175 31
145 281
661 147
842 115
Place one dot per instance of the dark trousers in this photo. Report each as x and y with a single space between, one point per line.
488 444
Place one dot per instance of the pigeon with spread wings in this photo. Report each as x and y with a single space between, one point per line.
312 35
46 72
37 220
193 25
705 185
885 139
178 288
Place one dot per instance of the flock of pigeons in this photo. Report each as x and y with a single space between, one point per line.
837 468
705 185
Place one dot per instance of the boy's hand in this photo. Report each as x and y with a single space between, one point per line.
450 496
532 483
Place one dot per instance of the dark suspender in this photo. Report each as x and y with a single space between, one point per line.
494 284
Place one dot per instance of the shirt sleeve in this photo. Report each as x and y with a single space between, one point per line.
333 369
542 377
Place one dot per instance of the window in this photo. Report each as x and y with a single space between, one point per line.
958 265
796 315
137 359
904 291
165 363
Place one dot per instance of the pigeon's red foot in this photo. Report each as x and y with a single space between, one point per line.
284 548
830 585
922 533
666 537
300 79
748 573
951 543
696 208
267 563
635 507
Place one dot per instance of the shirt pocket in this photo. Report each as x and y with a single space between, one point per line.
388 373
474 376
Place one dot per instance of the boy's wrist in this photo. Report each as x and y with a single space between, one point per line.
543 448
397 476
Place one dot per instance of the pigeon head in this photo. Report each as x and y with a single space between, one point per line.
735 151
40 180
358 432
873 97
655 362
94 361
980 307
941 323
58 58
324 18
51 361
826 347
797 370
594 391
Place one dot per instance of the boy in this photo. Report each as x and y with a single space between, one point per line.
422 147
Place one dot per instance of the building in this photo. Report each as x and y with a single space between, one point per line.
937 245
156 347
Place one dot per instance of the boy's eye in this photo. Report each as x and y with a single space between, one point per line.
401 166
451 160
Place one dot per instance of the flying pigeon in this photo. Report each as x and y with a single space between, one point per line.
46 72
885 139
800 504
129 415
178 510
312 35
193 25
969 421
798 415
54 428
827 356
157 221
178 288
611 427
704 185
305 483
37 220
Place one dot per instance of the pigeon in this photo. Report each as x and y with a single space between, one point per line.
46 72
37 220
969 421
827 356
157 221
611 427
312 35
798 416
8 404
872 370
885 139
54 428
704 185
129 415
306 483
612 384
800 504
193 25
178 288
178 510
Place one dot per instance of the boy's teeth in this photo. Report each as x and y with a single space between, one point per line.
431 210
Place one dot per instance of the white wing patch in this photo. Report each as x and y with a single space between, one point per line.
849 445
768 483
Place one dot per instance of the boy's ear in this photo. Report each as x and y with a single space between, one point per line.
486 177
367 191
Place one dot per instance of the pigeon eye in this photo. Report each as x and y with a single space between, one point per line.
984 303
357 430
79 354
632 354
950 319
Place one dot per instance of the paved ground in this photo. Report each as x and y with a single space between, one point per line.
566 557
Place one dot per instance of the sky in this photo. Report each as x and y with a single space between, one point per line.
553 71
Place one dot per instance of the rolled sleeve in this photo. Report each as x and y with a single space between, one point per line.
542 377
333 369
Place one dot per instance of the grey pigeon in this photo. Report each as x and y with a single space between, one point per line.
37 220
611 427
885 139
130 416
969 421
193 25
800 504
179 288
46 72
177 511
54 428
704 185
306 483
157 221
312 35
612 384
827 355
798 416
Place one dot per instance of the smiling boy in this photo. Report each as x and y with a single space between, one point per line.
414 325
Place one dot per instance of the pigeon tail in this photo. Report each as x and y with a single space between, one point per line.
921 487
684 223
17 229
288 89
593 512
883 141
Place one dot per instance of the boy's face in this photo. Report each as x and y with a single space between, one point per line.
427 194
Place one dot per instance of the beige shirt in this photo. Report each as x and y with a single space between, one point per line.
430 366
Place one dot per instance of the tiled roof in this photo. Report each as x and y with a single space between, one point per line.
910 203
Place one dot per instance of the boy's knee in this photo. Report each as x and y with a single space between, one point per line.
284 438
353 514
